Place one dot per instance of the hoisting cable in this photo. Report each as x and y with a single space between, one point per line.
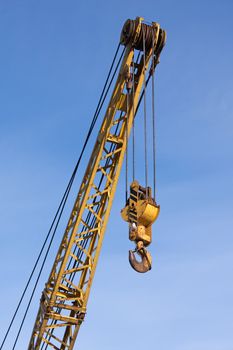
92 126
65 196
145 117
76 263
126 156
36 263
134 112
41 269
133 91
142 94
117 125
153 113
79 254
102 175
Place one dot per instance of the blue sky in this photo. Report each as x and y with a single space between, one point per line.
53 63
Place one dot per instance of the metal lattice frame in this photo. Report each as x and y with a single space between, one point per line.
64 299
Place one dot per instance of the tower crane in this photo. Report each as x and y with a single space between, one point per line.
64 299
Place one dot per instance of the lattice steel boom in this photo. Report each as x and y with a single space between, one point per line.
64 299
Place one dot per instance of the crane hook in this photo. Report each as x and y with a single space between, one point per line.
145 264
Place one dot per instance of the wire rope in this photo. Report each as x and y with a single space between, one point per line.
145 116
60 209
153 115
134 112
79 254
133 143
126 135
100 106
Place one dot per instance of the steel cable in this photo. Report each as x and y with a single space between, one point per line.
145 116
153 116
134 114
100 104
79 254
59 211
126 157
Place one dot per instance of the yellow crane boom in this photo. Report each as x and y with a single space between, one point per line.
65 296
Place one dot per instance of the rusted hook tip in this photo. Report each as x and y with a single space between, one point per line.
140 266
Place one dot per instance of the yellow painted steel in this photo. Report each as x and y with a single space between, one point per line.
141 211
147 212
64 299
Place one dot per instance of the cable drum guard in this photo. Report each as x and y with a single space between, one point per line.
129 34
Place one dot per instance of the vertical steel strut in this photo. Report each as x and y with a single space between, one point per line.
64 299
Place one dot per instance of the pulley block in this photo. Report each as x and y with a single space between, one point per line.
140 34
140 212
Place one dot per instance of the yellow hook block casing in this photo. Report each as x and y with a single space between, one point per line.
147 213
140 212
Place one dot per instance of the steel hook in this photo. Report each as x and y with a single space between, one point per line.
140 266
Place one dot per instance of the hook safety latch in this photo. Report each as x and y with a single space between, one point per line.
145 264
